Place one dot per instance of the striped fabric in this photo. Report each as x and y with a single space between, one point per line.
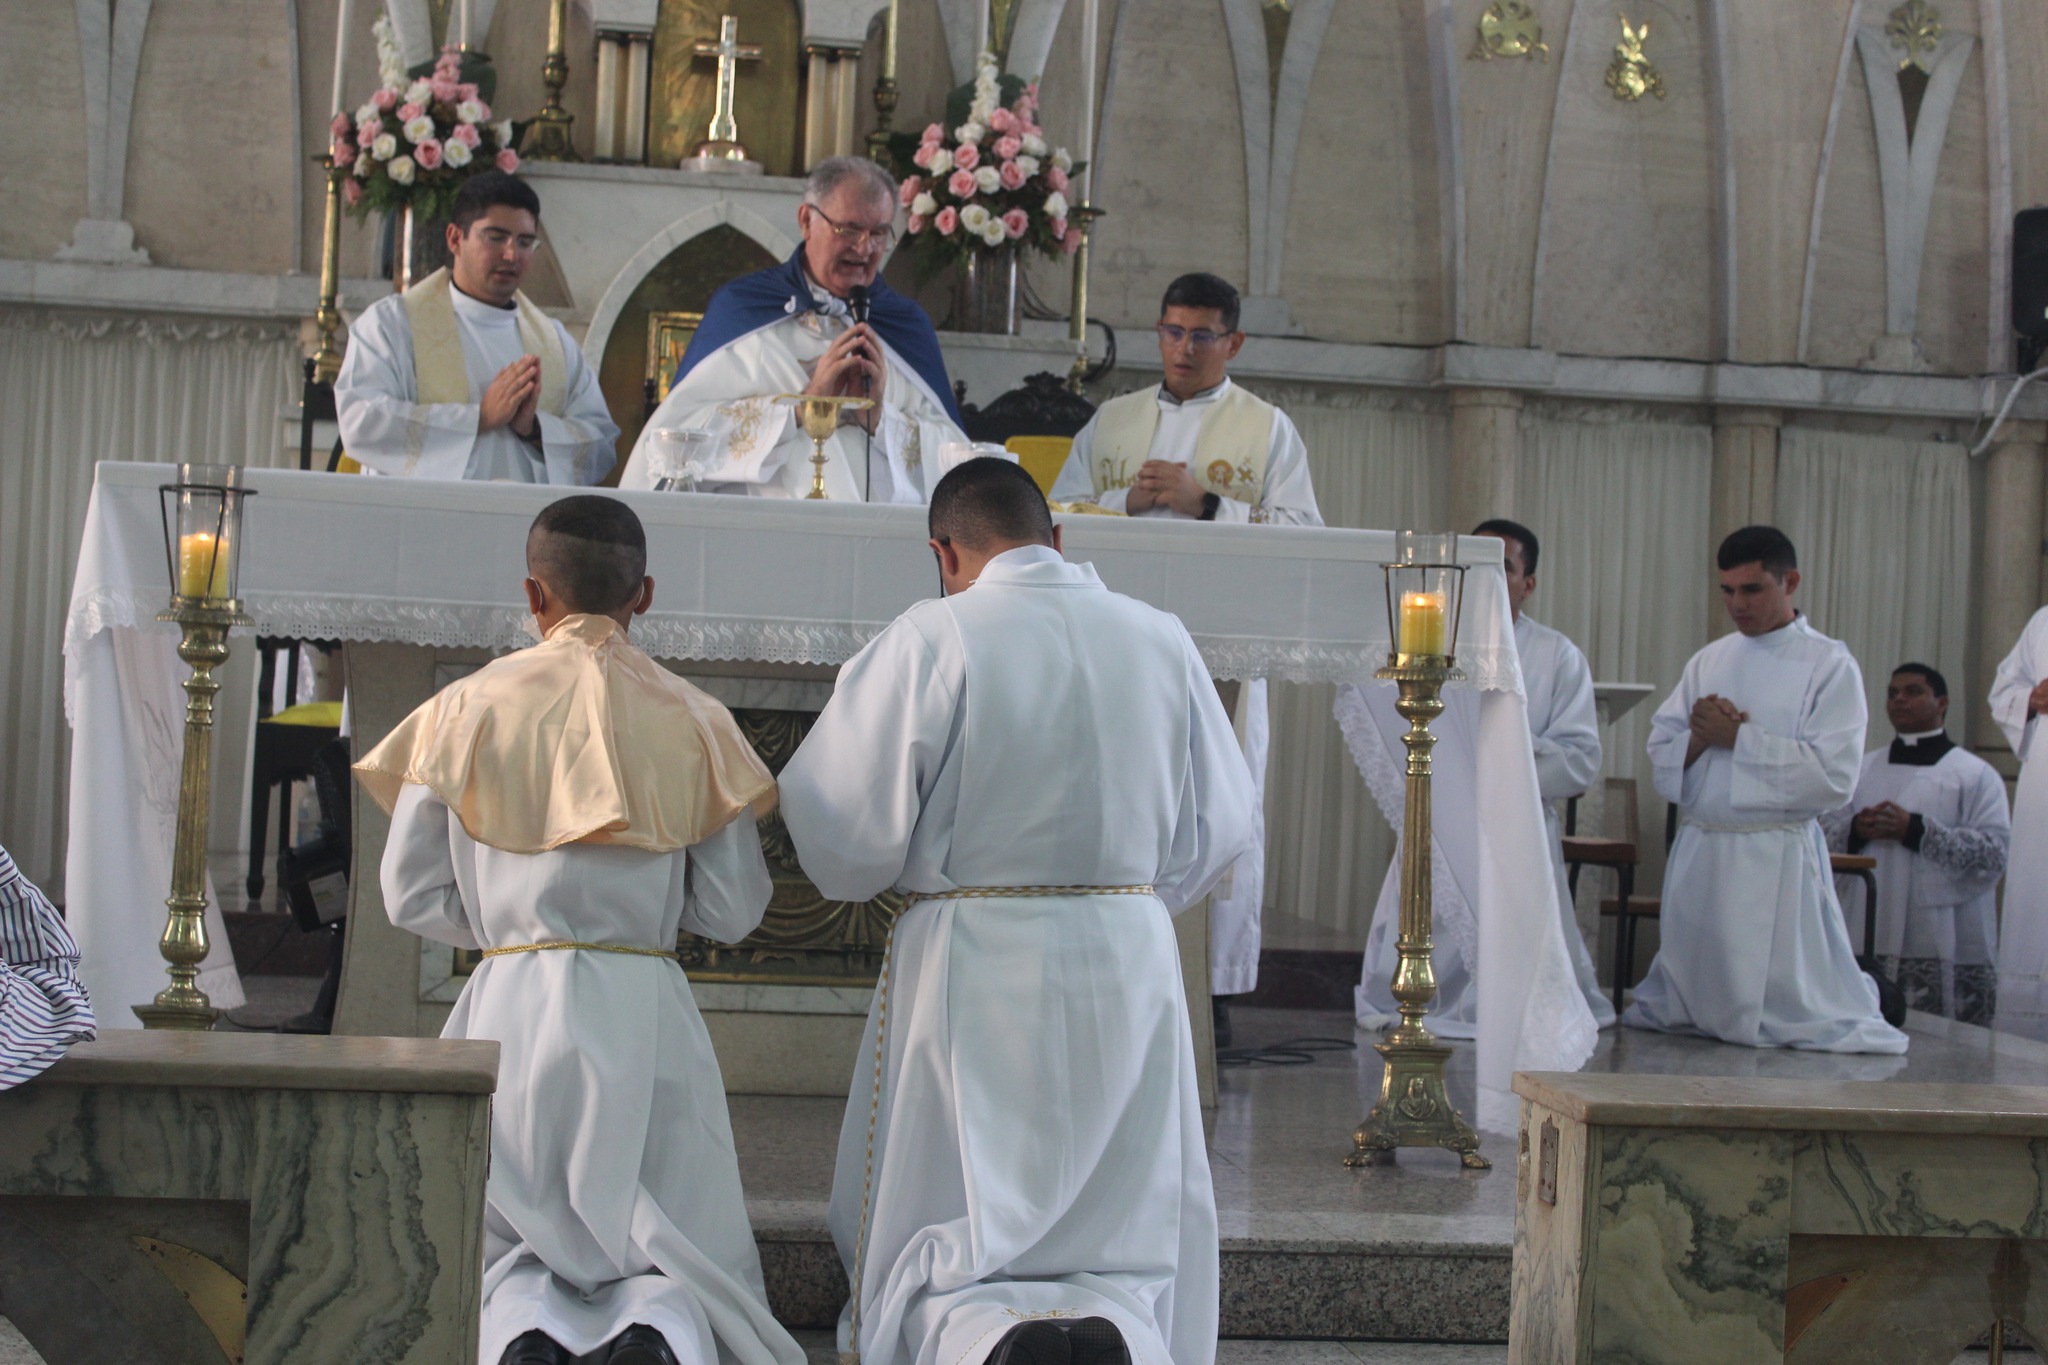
43 1005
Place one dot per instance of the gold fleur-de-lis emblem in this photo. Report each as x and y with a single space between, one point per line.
1915 29
1630 75
1508 28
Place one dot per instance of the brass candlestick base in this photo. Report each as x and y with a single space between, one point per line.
1414 1109
182 1005
820 418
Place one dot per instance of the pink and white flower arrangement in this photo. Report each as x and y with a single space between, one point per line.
414 141
990 180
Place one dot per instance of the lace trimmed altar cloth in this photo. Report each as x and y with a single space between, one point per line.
339 557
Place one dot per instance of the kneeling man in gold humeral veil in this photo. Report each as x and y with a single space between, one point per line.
567 809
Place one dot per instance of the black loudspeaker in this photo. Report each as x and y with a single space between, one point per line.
2030 284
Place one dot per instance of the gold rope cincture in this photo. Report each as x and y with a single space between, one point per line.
626 948
867 1185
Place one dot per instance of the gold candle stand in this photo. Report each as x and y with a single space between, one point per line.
820 418
1080 219
547 137
327 318
887 92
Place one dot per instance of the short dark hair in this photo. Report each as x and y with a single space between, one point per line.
1515 531
1203 290
590 551
1765 545
1935 682
984 501
485 191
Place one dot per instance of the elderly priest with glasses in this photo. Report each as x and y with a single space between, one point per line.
821 323
1199 448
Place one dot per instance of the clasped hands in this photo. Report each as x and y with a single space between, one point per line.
513 400
1715 723
2037 700
851 368
1885 820
1162 483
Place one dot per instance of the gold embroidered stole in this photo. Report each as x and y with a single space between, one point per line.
438 367
1231 443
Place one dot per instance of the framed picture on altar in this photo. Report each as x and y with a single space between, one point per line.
668 336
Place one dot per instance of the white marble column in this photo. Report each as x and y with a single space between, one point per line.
1486 450
1745 487
2015 473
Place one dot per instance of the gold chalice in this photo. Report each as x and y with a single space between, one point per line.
820 417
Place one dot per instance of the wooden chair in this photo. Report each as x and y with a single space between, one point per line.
1622 857
1863 869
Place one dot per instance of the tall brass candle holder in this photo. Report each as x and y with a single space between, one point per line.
547 136
327 316
202 515
1081 219
820 418
1425 587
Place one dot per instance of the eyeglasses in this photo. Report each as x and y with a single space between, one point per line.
865 239
1202 339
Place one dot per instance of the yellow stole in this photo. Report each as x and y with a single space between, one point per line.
1230 444
438 367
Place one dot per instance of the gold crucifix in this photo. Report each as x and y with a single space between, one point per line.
724 144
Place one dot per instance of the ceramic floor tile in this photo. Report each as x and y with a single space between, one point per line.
14 1348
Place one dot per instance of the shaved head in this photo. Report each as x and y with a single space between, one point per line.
589 552
986 502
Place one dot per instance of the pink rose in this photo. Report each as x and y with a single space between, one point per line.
427 154
1008 146
934 134
1055 179
945 220
352 191
1014 222
1059 229
342 126
449 63
344 153
967 156
386 100
366 133
445 89
1012 175
508 161
1070 243
909 190
915 225
466 91
466 134
1003 121
922 157
408 112
961 184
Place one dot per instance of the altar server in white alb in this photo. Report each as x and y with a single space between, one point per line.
823 323
461 376
1934 817
1199 448
2019 698
1763 736
1564 730
567 809
1043 767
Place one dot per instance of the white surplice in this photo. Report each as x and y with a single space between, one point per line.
2023 932
1036 1133
614 1193
1754 950
1937 889
388 430
1288 499
761 447
1564 729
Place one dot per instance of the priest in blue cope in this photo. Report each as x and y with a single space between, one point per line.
821 323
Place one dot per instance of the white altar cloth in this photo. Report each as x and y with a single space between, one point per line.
342 557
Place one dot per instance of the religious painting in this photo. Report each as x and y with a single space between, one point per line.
767 90
668 336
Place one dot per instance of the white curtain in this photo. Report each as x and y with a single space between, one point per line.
76 388
1883 527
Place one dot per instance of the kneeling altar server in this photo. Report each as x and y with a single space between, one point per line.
1763 736
566 809
1043 767
461 376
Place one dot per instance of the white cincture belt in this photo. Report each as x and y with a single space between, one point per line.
911 898
1795 826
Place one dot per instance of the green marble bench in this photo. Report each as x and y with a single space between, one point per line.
1708 1219
190 1197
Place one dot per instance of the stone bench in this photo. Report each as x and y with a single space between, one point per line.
180 1197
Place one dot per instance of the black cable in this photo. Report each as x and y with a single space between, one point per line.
1293 1052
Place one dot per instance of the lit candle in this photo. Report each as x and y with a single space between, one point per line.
341 28
202 565
1424 623
465 25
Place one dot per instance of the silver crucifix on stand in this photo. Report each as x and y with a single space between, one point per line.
722 151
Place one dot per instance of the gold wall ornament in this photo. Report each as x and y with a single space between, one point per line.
1915 29
218 1297
1508 28
767 95
1630 75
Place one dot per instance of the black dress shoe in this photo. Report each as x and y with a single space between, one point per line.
1096 1341
1040 1341
1221 1014
640 1345
535 1348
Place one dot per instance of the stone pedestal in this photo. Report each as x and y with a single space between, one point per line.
1745 487
2010 566
1486 451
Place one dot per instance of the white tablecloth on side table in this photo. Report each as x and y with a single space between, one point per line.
341 557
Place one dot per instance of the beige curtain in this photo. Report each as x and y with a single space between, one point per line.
76 388
1884 532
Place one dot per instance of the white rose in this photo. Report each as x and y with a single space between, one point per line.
369 113
969 132
924 206
1034 145
419 92
400 169
942 161
992 232
456 153
974 218
503 128
362 168
1055 205
1062 160
1028 165
470 111
385 147
419 130
987 179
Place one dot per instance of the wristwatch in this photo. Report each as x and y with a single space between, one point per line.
1210 502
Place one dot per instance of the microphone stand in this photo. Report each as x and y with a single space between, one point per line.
857 307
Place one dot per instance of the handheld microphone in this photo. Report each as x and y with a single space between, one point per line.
857 302
857 308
